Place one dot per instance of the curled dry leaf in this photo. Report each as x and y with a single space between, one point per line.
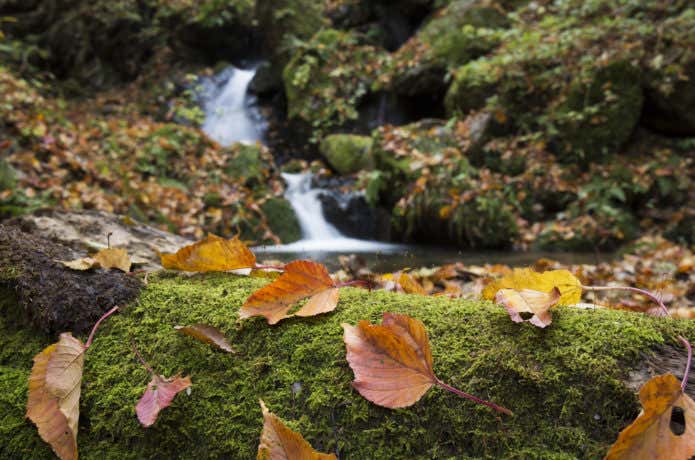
206 334
280 443
657 434
54 394
160 392
392 362
529 301
213 254
302 279
525 278
106 258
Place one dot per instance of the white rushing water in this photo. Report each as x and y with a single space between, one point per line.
317 234
229 116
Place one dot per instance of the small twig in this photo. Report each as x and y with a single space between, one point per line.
463 394
108 239
139 356
362 283
269 267
96 325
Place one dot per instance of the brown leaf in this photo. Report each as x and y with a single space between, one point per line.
106 258
54 394
213 254
301 279
653 435
160 392
280 443
392 362
529 301
206 334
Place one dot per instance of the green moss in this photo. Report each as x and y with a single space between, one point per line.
563 383
282 219
347 153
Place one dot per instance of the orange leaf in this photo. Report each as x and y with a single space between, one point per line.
206 334
410 286
529 301
280 443
301 279
213 254
54 394
160 392
651 436
392 362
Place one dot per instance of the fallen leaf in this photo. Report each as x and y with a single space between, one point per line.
106 258
524 278
206 334
409 285
213 254
301 279
113 258
160 392
392 362
529 301
54 394
280 443
654 435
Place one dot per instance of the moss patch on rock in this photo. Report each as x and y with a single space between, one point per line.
282 219
564 384
347 153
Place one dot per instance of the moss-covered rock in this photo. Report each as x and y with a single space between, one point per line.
327 78
347 153
599 114
7 175
282 219
286 21
462 31
565 384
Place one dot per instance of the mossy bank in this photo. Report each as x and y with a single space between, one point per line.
564 384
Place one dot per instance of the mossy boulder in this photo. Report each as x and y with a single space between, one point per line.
282 219
347 153
327 78
7 175
458 33
599 114
284 22
566 384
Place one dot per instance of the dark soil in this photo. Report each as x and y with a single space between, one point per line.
51 297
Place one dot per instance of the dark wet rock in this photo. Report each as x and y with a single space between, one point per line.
51 297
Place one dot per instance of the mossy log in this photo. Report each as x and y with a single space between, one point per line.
571 386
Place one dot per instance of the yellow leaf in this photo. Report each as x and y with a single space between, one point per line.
213 254
525 278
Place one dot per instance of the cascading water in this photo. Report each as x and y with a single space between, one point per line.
231 115
230 112
317 234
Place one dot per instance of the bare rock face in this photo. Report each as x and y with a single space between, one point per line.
89 231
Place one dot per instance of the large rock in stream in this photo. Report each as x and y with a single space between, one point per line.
571 386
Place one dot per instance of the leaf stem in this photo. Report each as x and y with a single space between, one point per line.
644 292
685 342
140 358
660 303
463 394
96 326
269 267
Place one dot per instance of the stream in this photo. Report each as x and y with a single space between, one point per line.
232 115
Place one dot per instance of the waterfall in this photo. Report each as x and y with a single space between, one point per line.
230 112
317 234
